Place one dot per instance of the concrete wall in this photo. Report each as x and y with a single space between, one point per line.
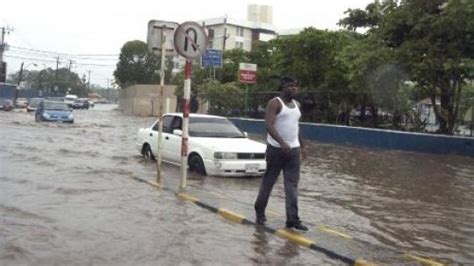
144 100
375 138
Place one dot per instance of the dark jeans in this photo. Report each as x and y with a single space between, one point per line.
277 160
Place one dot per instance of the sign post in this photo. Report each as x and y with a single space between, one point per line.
190 40
247 75
158 34
212 58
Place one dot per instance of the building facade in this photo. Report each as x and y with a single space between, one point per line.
228 33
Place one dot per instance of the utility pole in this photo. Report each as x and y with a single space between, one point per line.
225 34
3 47
18 85
224 39
57 70
88 82
68 74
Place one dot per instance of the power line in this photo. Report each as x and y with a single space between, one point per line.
32 59
58 53
37 54
51 60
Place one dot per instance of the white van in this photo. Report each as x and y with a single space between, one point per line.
69 99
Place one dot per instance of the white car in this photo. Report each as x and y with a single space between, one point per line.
215 146
21 103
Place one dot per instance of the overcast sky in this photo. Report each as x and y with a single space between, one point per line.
102 27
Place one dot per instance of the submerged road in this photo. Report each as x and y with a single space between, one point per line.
67 197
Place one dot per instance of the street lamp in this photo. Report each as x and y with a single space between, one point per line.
24 68
19 80
40 76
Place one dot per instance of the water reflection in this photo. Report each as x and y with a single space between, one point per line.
412 200
67 188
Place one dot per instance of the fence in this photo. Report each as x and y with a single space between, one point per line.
8 91
317 107
374 138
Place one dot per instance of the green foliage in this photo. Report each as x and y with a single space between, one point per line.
435 39
224 99
136 65
232 59
371 17
199 76
432 41
48 78
410 50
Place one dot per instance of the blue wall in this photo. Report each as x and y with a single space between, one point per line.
375 138
8 91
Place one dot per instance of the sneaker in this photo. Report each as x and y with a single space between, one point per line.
297 226
261 219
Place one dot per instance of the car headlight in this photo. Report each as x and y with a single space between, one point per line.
46 115
225 155
70 116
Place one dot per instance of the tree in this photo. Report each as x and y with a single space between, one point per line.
224 99
370 18
436 41
433 41
47 80
136 65
199 76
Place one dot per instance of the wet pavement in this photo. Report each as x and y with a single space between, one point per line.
67 196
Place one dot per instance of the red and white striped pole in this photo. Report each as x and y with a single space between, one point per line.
188 69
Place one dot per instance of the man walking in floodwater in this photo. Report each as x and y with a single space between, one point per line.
284 149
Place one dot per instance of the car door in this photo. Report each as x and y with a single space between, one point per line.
165 154
173 142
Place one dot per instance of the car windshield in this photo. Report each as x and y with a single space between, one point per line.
56 106
35 102
213 127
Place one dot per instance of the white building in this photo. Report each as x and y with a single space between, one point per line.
228 33
232 33
260 13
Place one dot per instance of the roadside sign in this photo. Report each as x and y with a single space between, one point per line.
190 40
247 73
212 58
156 29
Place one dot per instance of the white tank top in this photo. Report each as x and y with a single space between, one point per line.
286 124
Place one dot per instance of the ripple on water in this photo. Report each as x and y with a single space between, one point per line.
11 211
13 252
14 180
78 153
76 191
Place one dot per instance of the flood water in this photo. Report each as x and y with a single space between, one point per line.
66 197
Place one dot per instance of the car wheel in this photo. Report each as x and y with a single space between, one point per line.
147 152
196 164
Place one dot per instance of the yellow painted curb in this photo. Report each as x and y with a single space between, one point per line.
361 262
217 195
422 260
333 231
153 183
231 216
294 237
185 196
